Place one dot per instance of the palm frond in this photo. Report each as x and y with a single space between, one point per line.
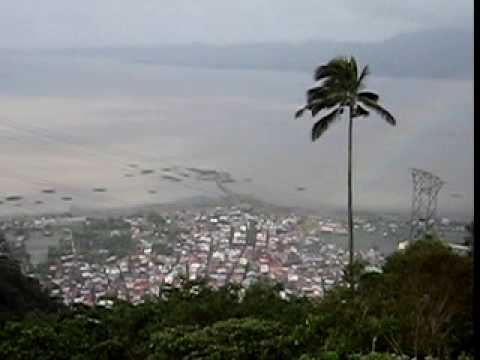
369 95
321 72
316 92
317 105
326 102
322 125
363 75
354 68
360 111
321 92
336 66
339 74
338 83
380 110
300 111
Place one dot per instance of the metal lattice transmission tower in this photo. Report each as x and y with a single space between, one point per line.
424 202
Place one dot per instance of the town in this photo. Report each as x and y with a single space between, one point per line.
136 256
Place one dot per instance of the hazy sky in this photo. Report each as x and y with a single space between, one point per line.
65 23
57 110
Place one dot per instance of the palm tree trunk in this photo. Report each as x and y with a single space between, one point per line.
350 216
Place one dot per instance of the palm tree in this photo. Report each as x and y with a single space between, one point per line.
340 86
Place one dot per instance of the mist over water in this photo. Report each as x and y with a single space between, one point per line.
73 124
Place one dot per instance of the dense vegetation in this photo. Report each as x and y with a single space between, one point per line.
420 305
19 294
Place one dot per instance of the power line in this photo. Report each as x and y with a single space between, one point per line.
426 187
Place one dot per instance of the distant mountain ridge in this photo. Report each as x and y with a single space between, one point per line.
437 53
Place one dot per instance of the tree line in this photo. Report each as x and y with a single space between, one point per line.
420 305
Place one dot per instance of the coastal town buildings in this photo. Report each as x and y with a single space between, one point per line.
134 257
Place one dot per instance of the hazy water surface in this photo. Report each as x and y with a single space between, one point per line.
75 123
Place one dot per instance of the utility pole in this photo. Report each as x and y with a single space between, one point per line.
426 187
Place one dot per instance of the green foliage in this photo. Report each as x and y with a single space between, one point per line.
420 305
156 219
433 288
162 248
20 294
90 238
342 86
18 341
232 339
53 253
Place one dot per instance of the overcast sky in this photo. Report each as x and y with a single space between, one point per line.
66 23
434 131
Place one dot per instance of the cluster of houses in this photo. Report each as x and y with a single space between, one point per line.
218 245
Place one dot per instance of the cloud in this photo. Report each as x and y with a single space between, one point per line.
63 23
421 14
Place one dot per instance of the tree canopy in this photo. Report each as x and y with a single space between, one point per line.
419 305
